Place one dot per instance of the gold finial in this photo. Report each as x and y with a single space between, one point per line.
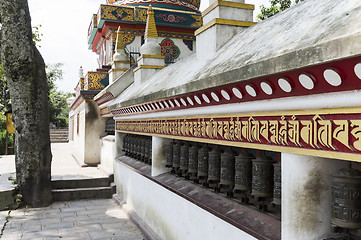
119 43
150 28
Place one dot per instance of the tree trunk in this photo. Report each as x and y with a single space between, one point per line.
24 70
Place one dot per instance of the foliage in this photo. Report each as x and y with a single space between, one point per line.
276 7
37 35
58 107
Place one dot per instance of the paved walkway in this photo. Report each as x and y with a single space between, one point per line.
87 219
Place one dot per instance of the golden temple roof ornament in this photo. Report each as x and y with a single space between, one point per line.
150 28
119 42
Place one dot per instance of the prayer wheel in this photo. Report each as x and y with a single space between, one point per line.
142 148
214 166
176 155
262 176
227 168
138 143
277 184
346 199
193 159
203 156
148 150
126 144
243 172
169 149
184 157
131 145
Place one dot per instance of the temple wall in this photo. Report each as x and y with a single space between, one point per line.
107 153
79 133
94 126
167 214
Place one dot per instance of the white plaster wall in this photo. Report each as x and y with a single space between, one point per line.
306 195
107 153
94 126
229 13
184 50
167 214
319 101
79 139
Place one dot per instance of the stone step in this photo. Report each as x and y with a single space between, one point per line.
81 193
58 134
80 183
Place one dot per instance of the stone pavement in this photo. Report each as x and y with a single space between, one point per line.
87 219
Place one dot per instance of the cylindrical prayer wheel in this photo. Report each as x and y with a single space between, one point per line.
184 157
227 168
138 143
277 184
203 156
346 199
169 149
262 176
142 148
243 172
126 144
149 143
131 145
176 155
214 166
193 159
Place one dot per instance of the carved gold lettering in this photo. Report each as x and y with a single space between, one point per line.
238 129
274 131
356 132
341 133
283 138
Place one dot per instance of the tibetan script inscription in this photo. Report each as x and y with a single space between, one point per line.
331 132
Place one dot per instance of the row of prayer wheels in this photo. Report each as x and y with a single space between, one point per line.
226 169
138 147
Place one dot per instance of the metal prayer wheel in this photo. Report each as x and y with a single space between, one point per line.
126 144
227 168
138 143
214 166
169 149
142 148
243 172
176 155
193 159
262 176
346 199
148 150
277 184
149 146
131 145
184 157
203 156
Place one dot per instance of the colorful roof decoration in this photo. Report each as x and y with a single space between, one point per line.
150 29
172 4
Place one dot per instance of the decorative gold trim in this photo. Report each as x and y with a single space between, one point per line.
300 151
150 28
151 56
330 133
324 111
148 67
221 21
169 10
119 69
227 4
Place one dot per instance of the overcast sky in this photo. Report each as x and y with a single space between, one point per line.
64 27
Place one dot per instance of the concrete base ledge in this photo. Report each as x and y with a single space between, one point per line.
257 224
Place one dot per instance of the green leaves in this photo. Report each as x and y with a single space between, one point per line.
276 7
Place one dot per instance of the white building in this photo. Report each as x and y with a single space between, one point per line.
285 90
